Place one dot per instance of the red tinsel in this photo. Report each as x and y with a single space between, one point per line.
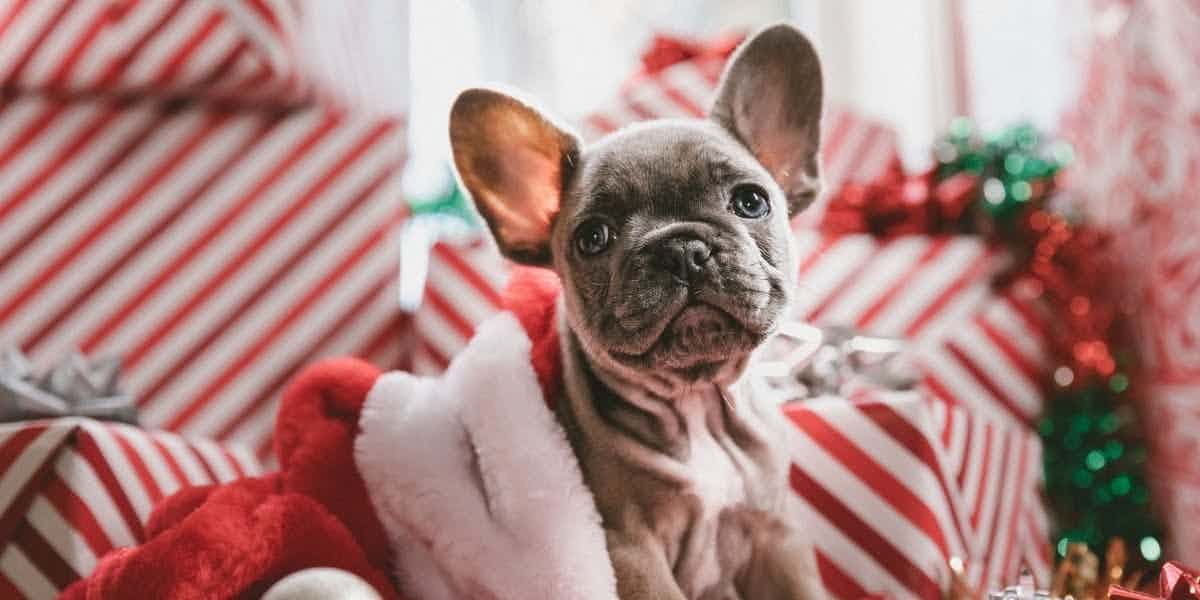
1065 265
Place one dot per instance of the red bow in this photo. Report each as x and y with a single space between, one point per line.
900 204
1174 583
668 50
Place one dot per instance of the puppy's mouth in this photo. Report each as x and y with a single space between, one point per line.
697 340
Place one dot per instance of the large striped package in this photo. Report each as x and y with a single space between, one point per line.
896 485
73 489
167 198
214 250
236 49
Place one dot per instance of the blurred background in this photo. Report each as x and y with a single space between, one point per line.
198 199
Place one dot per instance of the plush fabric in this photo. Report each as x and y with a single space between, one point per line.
472 475
435 486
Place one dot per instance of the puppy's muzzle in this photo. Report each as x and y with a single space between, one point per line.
684 257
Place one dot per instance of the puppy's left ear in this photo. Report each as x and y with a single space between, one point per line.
770 100
515 162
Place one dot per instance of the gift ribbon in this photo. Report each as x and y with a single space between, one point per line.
74 386
805 361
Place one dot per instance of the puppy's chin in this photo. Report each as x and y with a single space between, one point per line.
700 343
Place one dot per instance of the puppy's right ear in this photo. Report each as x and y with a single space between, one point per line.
514 162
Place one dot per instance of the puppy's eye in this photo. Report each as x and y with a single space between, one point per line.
593 237
750 202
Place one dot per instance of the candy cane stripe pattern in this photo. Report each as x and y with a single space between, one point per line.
74 489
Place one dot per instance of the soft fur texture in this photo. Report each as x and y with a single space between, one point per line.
473 469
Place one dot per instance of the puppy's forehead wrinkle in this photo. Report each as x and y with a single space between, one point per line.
667 166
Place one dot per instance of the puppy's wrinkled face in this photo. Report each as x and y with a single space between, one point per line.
673 245
671 237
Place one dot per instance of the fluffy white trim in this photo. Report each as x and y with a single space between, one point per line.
476 484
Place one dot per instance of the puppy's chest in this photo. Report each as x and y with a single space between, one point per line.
715 480
725 484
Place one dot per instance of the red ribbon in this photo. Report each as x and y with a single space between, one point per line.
1174 583
666 50
900 205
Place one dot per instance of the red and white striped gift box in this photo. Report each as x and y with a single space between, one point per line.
73 489
238 49
215 250
975 345
893 485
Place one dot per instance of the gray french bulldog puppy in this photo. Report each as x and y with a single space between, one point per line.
672 242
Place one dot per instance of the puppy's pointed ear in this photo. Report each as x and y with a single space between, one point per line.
514 162
770 98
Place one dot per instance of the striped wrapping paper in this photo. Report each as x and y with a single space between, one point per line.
235 49
892 485
975 345
73 489
215 250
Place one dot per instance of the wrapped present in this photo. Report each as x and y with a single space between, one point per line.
973 344
72 489
897 486
214 247
240 50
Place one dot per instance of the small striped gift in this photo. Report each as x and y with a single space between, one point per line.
892 486
73 489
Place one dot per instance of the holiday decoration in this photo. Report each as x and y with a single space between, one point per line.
1175 583
1135 130
76 489
1002 188
803 361
73 387
215 244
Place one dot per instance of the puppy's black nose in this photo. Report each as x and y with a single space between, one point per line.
683 257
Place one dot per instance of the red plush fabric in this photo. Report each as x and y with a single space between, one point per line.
244 537
314 440
237 539
532 296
